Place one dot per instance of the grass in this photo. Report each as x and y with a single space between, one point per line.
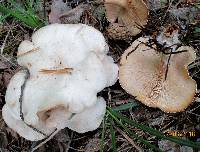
197 4
23 12
27 15
197 30
122 121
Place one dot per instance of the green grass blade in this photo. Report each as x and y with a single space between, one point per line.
125 106
197 30
113 137
2 18
28 20
133 134
102 137
156 132
17 6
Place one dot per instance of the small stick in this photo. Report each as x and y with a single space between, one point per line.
129 139
27 76
168 61
30 51
177 52
3 58
4 43
45 140
22 92
57 71
132 50
167 69
44 9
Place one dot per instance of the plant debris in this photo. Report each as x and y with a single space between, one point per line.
58 7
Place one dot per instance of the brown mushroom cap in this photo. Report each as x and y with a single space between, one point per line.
142 74
119 32
131 13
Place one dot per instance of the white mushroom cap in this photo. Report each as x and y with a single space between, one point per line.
87 120
84 121
142 74
68 66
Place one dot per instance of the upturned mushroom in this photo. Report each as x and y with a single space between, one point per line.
142 74
65 66
132 14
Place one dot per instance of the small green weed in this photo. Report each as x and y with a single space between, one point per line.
23 12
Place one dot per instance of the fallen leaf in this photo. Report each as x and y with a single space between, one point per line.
184 16
167 145
93 145
74 16
6 78
1 77
3 150
4 64
3 140
186 149
156 4
12 133
62 136
58 7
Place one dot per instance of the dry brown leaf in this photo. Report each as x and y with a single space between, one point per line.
93 145
3 140
12 133
6 78
62 136
58 7
4 64
74 16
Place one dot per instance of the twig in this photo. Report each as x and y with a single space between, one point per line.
4 43
44 9
193 113
58 71
132 50
45 141
7 60
68 144
168 62
27 52
169 6
22 92
21 99
129 139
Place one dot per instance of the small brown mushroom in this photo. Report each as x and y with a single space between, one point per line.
131 13
142 74
119 32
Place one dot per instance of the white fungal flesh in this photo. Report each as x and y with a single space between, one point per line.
51 99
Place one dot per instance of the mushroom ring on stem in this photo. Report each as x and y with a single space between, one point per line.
68 65
142 74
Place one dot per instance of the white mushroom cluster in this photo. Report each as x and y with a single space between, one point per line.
67 66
